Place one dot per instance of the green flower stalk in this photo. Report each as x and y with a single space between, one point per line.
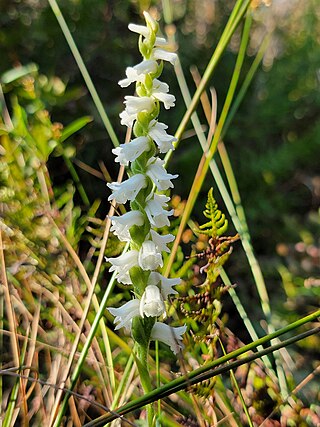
139 266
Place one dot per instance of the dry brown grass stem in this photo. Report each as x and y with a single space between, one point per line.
90 298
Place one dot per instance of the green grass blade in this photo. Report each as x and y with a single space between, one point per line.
83 69
210 369
205 162
233 22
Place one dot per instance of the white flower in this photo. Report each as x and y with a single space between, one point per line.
152 304
165 284
127 190
138 72
134 105
149 257
126 119
160 91
140 29
125 314
168 335
131 151
158 133
122 224
158 174
164 55
122 264
157 216
161 241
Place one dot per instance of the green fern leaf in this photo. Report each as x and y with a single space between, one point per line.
217 224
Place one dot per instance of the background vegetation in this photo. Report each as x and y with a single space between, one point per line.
57 158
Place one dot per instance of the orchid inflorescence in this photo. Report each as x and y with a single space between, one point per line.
138 267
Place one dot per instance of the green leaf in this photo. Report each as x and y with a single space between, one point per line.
74 127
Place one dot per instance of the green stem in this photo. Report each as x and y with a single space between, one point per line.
142 364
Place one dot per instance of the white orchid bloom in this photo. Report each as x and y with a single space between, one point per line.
125 313
151 304
169 335
160 91
157 131
164 55
134 105
165 284
127 119
161 240
155 211
138 72
149 257
140 29
122 264
122 224
127 190
159 175
132 150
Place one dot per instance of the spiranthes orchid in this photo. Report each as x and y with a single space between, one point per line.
149 210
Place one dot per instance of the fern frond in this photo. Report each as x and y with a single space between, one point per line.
217 224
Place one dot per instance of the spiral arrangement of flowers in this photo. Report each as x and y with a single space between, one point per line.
143 315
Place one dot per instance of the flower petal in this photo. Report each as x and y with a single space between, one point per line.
125 313
122 224
164 283
149 257
132 150
168 335
151 303
127 190
122 264
158 174
158 216
161 240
